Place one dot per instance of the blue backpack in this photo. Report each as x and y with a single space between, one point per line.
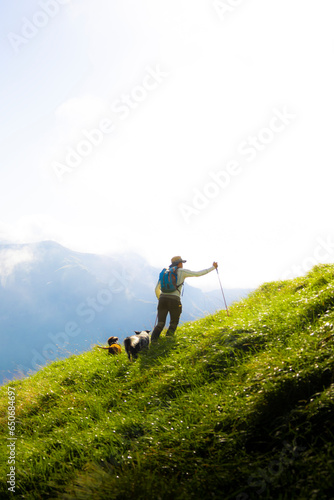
168 279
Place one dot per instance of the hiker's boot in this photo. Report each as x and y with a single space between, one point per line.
155 335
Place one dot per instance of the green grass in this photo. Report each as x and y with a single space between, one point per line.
237 407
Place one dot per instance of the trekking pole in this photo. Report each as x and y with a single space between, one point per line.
222 291
156 322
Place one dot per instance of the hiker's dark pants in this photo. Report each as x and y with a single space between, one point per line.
167 305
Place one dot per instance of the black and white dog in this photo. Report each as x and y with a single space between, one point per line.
136 343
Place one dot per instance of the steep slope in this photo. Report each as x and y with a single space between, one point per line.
233 407
54 302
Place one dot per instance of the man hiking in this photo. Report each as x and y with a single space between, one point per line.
168 292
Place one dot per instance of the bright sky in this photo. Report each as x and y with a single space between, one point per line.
200 128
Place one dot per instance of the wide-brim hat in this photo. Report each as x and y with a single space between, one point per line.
176 260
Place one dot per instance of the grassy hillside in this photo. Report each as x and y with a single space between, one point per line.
237 407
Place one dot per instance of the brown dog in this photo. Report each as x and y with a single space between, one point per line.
113 348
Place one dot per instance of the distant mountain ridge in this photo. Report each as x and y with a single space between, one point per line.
55 302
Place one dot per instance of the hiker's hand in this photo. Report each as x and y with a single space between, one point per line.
215 265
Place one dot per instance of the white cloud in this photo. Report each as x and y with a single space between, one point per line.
10 258
76 114
80 110
224 80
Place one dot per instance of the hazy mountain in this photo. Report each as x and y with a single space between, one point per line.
54 302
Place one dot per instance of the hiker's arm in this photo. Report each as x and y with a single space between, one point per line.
188 274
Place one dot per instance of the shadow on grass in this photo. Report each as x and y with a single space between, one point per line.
156 352
280 406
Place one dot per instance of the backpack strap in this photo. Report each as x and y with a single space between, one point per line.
176 285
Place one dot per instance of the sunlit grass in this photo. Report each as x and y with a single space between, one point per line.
239 405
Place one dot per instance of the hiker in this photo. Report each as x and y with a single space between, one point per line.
170 301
